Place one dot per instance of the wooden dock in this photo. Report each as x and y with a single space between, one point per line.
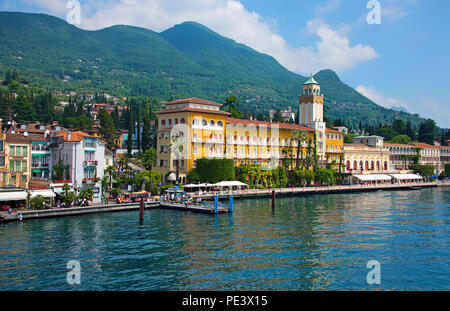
192 207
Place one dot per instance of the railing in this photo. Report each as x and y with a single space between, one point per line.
90 162
61 181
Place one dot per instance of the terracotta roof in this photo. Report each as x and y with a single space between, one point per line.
191 100
333 131
287 126
37 137
35 128
17 137
397 145
192 110
74 136
423 145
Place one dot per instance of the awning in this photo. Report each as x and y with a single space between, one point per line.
374 177
406 176
44 193
191 186
229 184
13 195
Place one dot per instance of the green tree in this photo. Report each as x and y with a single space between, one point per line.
107 129
277 117
401 139
146 130
130 132
386 132
300 137
232 106
148 158
38 202
427 132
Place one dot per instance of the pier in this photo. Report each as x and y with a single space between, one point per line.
301 191
214 208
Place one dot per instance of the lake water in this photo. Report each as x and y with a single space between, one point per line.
319 242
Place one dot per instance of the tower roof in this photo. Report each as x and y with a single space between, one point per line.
311 80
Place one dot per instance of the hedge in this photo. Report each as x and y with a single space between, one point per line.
422 169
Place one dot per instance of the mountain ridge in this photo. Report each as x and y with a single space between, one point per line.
186 60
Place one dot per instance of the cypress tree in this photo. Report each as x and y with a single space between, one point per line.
130 132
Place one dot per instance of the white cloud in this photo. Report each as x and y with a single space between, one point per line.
231 19
371 93
328 7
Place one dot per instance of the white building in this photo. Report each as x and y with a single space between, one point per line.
83 158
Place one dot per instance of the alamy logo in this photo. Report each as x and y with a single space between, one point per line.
74 275
374 275
74 15
374 15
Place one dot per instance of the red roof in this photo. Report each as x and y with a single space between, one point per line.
333 131
74 136
17 137
191 100
192 110
287 126
423 145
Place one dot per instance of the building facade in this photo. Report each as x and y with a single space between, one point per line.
82 157
366 155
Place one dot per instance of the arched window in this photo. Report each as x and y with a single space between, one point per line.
182 121
367 166
212 123
194 122
372 165
220 124
204 122
170 121
385 165
163 122
355 165
194 135
378 165
348 165
361 165
176 120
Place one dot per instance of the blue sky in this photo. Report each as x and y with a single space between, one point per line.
403 61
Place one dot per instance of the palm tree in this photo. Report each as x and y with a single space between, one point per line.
300 136
110 172
177 147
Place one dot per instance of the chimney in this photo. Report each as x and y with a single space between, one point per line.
68 136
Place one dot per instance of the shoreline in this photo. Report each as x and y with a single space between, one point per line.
246 194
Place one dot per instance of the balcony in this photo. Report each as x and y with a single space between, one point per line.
90 162
39 164
90 180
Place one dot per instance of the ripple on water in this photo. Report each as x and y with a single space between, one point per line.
319 242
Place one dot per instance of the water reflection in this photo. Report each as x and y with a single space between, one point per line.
313 242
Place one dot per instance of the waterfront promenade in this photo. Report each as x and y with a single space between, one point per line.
239 194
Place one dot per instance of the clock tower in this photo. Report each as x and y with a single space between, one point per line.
311 110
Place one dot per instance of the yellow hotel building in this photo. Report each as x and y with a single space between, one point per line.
205 131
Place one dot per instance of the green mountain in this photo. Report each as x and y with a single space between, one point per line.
187 60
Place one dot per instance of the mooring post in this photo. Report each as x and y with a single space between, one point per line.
273 198
230 201
216 204
141 211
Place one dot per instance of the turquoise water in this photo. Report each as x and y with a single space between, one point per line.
320 242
